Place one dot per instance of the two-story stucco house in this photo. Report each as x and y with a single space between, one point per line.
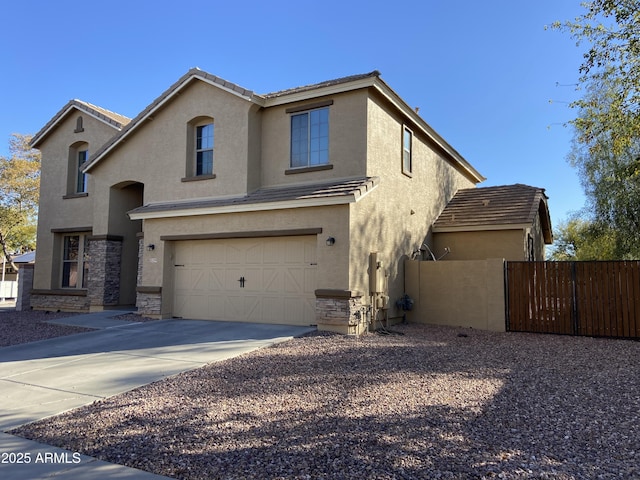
219 203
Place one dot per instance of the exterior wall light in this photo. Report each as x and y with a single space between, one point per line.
151 247
331 241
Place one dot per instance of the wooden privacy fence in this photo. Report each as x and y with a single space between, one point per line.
599 298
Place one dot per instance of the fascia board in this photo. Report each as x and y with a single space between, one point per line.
481 228
159 106
254 207
396 101
62 116
319 92
226 89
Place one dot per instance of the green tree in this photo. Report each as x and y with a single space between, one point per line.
611 28
579 239
610 175
19 194
606 148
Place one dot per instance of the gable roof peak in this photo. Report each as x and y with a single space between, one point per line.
112 119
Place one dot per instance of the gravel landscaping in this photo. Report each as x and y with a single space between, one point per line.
30 326
432 402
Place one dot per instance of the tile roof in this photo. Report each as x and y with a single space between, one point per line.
116 120
113 118
280 96
491 206
28 257
336 190
327 83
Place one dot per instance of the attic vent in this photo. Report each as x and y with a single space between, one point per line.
485 203
79 127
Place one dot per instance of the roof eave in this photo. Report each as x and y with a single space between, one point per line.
320 91
480 227
354 196
253 207
427 130
166 97
62 114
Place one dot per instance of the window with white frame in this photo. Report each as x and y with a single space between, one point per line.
204 149
310 138
75 261
407 141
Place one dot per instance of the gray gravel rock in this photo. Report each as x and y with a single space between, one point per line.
30 326
424 404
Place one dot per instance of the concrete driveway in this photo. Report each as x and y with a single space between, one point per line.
48 377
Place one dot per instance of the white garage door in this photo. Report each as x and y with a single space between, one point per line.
267 280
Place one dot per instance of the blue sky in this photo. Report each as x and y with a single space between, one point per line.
482 73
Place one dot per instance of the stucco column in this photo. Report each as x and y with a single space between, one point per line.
105 258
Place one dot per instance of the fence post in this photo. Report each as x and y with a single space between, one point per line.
507 319
574 300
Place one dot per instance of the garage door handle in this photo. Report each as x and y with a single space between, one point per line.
178 265
242 280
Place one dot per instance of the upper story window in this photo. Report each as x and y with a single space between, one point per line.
200 149
81 177
407 146
75 261
310 138
204 149
76 178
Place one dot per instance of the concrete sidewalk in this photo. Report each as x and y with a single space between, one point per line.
48 377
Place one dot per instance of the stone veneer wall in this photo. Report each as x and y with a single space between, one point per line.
149 301
25 285
340 311
105 256
63 300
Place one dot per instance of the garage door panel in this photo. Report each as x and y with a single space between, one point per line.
272 280
254 254
294 280
279 279
216 279
310 282
234 255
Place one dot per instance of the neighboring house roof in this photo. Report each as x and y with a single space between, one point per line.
492 208
112 119
29 257
343 84
272 198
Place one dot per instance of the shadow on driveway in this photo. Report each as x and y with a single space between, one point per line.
51 376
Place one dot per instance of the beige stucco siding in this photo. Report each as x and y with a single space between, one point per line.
477 245
465 293
56 212
347 140
333 261
157 154
396 217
